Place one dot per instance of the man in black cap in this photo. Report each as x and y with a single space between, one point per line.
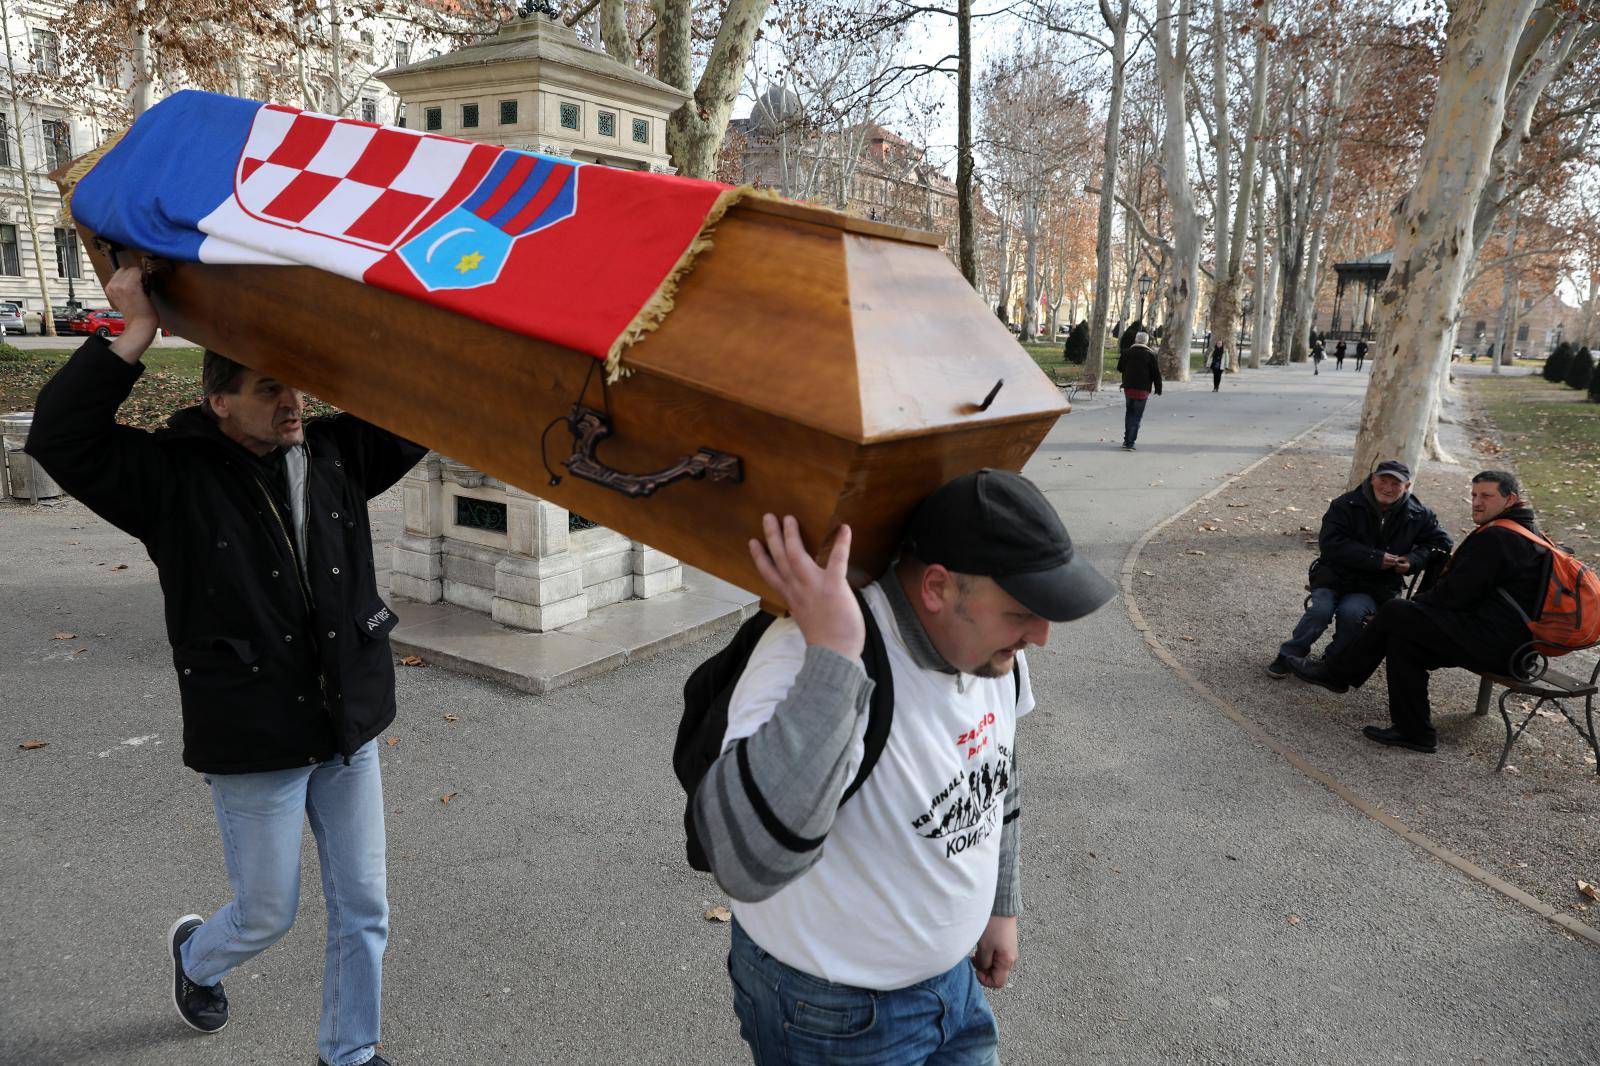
874 948
1372 537
1476 616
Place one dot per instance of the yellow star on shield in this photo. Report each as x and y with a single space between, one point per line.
469 262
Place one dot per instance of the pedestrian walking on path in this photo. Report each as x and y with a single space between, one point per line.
257 524
1216 364
1361 353
1338 356
1371 537
876 948
1316 357
1141 375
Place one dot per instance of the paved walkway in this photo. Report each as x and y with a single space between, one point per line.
545 914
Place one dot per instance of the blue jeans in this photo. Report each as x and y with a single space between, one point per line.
1351 610
790 1018
1131 420
259 816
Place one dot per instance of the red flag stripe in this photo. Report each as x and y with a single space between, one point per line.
508 186
553 184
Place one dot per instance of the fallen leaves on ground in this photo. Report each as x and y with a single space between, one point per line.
448 796
411 660
392 741
1193 551
63 636
120 566
1294 919
719 914
451 718
1186 637
33 745
1589 890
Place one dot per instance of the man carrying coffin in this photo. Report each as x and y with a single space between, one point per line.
257 524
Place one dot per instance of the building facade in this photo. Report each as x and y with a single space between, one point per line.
534 85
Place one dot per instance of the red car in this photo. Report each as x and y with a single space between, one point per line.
102 321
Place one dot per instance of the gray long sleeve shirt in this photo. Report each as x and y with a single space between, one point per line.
764 810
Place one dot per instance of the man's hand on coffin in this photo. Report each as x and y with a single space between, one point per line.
819 597
140 320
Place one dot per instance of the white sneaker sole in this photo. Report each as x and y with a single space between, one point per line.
172 959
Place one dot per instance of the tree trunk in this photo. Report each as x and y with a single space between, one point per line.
1030 271
47 321
1117 23
695 131
142 94
1433 249
1266 276
1171 61
614 32
967 236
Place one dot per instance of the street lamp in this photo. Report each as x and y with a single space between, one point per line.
1144 290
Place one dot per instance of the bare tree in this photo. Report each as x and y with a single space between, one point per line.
1172 61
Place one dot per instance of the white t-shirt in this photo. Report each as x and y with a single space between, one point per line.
907 877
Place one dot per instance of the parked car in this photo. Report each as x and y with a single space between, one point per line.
63 317
101 321
11 319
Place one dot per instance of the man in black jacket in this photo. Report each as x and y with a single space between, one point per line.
1474 617
257 524
1371 538
1141 375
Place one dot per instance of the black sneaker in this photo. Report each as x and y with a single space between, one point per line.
376 1060
1127 447
1395 739
1316 672
1278 668
201 1007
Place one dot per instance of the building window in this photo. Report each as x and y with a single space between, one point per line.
608 124
469 116
57 143
1527 303
433 118
46 52
508 112
402 52
487 515
68 262
1522 333
569 116
5 141
400 115
366 37
641 130
369 109
10 254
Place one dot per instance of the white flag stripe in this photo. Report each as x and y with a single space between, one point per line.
267 132
230 229
263 187
216 250
341 150
432 168
337 212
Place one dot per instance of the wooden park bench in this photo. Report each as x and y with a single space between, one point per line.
1074 385
1535 678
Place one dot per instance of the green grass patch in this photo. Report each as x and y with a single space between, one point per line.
1551 435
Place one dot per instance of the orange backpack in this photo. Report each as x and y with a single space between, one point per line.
1569 618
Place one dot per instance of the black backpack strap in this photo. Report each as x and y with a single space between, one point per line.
880 715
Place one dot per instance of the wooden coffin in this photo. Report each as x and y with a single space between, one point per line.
843 363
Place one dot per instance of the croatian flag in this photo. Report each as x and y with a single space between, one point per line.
568 252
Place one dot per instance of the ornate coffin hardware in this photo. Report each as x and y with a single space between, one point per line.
589 427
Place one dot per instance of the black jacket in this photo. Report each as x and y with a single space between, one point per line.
1467 602
274 671
1356 534
1140 370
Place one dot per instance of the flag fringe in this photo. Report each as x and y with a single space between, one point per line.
68 182
660 304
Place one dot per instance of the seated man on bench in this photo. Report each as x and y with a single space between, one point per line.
1371 538
1473 618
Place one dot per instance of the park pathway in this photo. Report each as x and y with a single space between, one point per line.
1189 897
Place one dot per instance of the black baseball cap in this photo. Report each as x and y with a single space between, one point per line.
995 523
1394 468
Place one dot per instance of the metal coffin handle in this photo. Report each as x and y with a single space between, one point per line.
590 427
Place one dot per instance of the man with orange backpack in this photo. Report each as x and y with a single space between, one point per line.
1506 587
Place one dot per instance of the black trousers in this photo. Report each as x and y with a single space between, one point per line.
1216 378
1405 634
